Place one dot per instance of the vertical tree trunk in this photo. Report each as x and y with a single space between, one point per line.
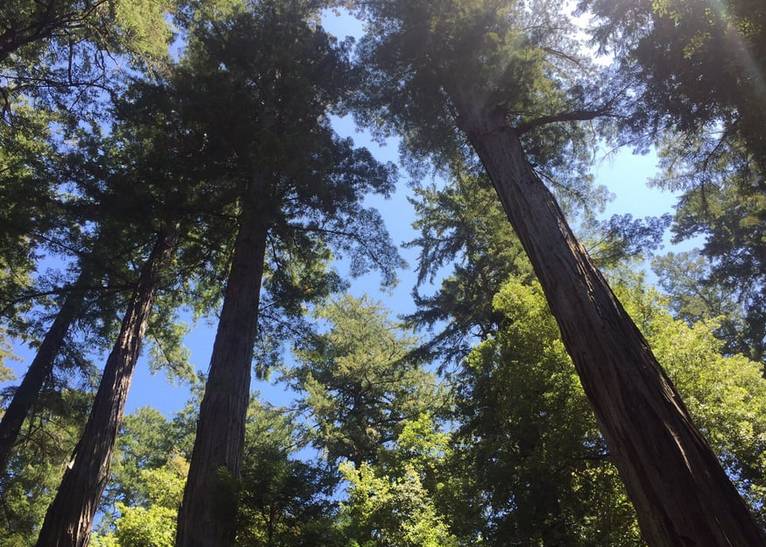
208 512
40 369
680 491
69 518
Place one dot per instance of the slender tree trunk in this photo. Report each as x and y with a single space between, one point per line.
208 512
682 495
40 369
69 518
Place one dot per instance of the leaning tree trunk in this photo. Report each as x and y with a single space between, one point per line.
40 369
208 511
681 494
69 518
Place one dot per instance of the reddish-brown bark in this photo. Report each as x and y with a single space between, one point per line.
681 494
208 512
69 519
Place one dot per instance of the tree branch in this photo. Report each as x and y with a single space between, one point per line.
570 116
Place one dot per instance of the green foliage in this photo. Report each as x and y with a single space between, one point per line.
104 541
284 501
141 27
462 224
26 188
6 354
694 64
396 501
698 78
356 382
152 527
147 441
531 439
371 408
525 464
724 201
49 50
154 523
528 434
136 175
430 65
148 474
325 188
694 295
119 25
386 511
72 56
36 467
167 351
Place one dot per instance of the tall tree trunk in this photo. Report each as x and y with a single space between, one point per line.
208 512
682 495
40 369
69 518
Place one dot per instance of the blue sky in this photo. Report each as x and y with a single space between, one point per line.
624 174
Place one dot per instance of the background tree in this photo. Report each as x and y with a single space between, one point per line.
147 441
373 412
284 500
154 524
463 226
390 506
44 449
356 384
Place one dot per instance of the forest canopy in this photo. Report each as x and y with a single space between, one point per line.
382 273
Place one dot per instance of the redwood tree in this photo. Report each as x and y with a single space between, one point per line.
297 191
503 82
70 516
138 179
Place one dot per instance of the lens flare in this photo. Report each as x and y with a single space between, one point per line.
740 47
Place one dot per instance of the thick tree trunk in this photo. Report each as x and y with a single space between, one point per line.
40 369
69 518
682 495
208 512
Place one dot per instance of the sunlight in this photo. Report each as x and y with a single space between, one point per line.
741 50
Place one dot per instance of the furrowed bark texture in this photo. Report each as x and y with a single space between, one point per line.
208 512
69 519
39 370
680 491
